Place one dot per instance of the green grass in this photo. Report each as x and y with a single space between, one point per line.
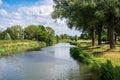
102 53
105 62
8 47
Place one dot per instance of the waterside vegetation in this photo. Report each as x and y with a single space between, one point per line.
16 38
103 62
9 47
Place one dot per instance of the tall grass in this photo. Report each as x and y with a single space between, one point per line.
81 56
8 47
106 71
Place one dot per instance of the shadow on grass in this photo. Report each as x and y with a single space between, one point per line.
99 53
95 53
85 48
88 48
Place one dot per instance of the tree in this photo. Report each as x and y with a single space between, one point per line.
32 32
57 38
78 14
111 13
85 36
117 32
75 38
50 35
16 32
81 14
7 36
50 31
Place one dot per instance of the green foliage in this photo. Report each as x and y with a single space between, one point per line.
87 15
7 36
74 43
40 33
8 47
16 32
50 31
104 38
119 38
32 31
50 37
107 71
81 56
75 38
85 36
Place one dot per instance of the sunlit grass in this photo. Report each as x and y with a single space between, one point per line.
103 52
11 46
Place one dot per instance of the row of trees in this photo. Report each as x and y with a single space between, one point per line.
104 35
34 32
66 37
92 16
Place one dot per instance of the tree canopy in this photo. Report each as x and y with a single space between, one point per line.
89 15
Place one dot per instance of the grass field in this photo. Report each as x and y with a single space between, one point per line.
8 47
102 52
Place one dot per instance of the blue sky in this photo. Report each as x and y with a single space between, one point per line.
26 12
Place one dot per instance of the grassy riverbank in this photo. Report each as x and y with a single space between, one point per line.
8 47
102 53
104 63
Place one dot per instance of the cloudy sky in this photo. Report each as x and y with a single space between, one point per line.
26 12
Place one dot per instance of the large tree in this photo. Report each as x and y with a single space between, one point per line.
111 11
81 14
32 32
15 32
78 14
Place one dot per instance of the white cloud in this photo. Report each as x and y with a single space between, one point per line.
1 2
3 12
39 13
16 15
36 10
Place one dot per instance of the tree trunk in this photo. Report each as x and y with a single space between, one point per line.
115 38
108 35
111 37
99 35
93 37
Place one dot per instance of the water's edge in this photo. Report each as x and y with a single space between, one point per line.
49 63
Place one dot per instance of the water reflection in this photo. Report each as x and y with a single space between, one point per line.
51 63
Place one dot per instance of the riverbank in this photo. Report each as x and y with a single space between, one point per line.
50 63
103 62
8 47
102 52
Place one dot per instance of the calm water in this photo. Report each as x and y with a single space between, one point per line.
50 63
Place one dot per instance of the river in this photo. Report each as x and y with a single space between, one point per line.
49 63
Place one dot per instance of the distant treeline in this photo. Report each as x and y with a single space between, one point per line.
34 32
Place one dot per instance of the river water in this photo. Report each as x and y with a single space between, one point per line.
49 63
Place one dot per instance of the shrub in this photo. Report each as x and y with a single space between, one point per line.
118 38
107 71
104 38
73 43
81 56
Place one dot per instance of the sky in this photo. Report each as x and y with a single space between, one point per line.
27 12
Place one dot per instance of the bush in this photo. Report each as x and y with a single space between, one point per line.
107 71
81 56
104 38
118 38
73 43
